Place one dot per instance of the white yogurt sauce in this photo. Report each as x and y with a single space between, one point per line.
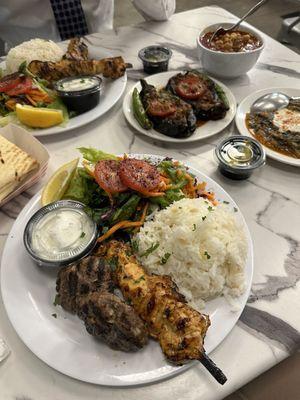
287 120
76 84
60 233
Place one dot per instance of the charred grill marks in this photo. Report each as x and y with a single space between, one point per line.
85 288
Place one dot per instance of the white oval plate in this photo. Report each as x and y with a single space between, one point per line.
111 92
28 292
244 108
210 128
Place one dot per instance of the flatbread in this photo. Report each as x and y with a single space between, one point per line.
15 165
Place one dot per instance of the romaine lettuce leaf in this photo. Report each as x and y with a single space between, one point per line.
94 155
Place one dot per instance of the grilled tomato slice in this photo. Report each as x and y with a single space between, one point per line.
190 88
161 108
139 175
107 176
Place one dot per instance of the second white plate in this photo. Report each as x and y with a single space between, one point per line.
244 108
210 128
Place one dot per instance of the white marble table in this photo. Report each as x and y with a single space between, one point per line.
268 330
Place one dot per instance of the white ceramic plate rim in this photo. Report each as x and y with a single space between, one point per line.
209 129
28 337
244 108
114 89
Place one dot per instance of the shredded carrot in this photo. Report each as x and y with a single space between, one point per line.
152 194
123 225
30 100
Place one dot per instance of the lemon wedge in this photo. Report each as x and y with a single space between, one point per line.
38 117
59 182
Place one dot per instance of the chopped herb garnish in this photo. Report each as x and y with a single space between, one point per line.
180 208
113 263
142 278
81 80
207 255
203 218
54 315
56 300
205 201
135 246
210 208
225 202
150 250
165 258
235 209
82 234
194 227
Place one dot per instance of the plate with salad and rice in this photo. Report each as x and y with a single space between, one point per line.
50 91
172 220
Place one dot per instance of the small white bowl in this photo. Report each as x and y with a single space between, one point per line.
228 65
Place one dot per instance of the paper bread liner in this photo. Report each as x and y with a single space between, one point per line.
27 142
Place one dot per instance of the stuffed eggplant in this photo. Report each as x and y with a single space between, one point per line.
202 93
168 113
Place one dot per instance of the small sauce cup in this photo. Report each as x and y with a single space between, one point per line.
155 58
80 93
59 234
238 156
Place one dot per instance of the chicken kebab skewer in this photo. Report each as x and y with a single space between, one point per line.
179 329
112 67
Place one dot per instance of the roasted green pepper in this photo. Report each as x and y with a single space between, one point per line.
139 111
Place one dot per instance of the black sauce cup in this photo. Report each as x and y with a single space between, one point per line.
79 101
152 65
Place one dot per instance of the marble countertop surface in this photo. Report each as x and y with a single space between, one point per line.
269 328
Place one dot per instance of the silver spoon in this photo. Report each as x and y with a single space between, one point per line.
222 31
271 102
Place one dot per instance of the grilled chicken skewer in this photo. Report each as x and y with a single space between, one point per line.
77 50
113 67
178 328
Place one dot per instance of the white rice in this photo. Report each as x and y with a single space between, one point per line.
206 246
35 49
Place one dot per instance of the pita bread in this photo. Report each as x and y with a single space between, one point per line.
15 165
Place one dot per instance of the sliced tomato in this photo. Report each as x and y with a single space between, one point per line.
107 176
161 108
9 82
190 88
139 175
23 87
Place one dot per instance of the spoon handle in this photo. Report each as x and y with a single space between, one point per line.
250 12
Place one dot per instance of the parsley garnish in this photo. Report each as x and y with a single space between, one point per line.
207 255
113 263
152 248
194 227
210 208
56 300
54 315
165 258
225 202
235 209
135 246
82 235
203 218
142 278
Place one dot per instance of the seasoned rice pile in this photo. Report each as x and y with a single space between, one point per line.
200 246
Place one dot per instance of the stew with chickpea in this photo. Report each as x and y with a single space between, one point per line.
231 42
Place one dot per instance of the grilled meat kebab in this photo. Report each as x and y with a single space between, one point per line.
168 113
77 50
178 328
113 67
91 274
85 288
208 101
109 318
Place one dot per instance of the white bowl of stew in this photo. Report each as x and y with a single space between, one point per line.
232 54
